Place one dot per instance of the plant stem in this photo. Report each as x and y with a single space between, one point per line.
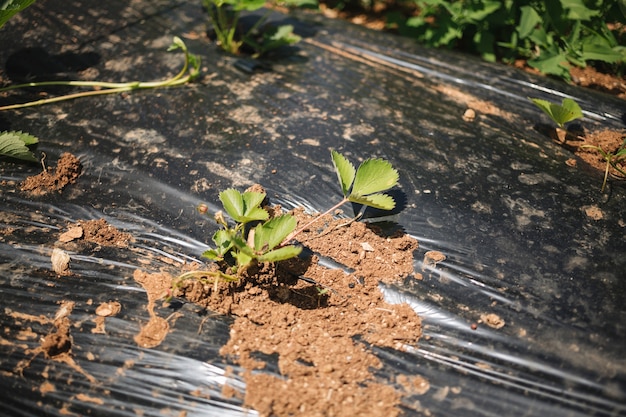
107 88
306 226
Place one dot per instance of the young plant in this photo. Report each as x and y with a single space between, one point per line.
225 18
364 185
239 246
613 160
14 144
190 70
560 114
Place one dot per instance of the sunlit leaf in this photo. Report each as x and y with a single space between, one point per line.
379 201
374 175
244 207
269 234
345 171
563 113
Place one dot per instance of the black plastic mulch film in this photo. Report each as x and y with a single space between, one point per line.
494 195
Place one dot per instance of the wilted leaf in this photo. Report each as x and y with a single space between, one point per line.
60 262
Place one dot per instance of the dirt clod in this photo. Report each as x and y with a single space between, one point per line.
67 171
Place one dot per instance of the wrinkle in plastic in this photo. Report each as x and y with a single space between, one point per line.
493 195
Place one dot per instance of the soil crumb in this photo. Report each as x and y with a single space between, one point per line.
316 319
96 231
67 171
157 285
609 141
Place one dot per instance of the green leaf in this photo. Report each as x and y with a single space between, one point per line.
223 241
345 171
212 255
243 208
566 112
8 8
249 5
13 144
378 200
271 233
577 10
374 175
529 19
281 254
551 64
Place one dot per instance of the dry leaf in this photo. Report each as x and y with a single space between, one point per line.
60 262
108 309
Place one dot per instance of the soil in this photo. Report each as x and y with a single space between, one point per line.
579 141
67 171
317 322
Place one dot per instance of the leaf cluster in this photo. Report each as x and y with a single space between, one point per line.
225 19
257 237
551 35
236 247
365 184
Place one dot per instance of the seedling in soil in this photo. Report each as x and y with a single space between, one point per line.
14 144
613 160
560 114
364 185
225 15
238 247
190 70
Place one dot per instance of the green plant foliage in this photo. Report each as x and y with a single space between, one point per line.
14 144
364 185
190 70
551 35
8 8
562 113
225 19
239 246
263 243
243 208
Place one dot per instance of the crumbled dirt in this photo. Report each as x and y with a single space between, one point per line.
591 78
97 231
157 286
67 171
318 321
608 140
56 345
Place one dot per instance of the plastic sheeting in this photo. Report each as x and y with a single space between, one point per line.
494 195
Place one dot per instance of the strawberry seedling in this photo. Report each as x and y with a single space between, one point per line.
563 113
257 238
